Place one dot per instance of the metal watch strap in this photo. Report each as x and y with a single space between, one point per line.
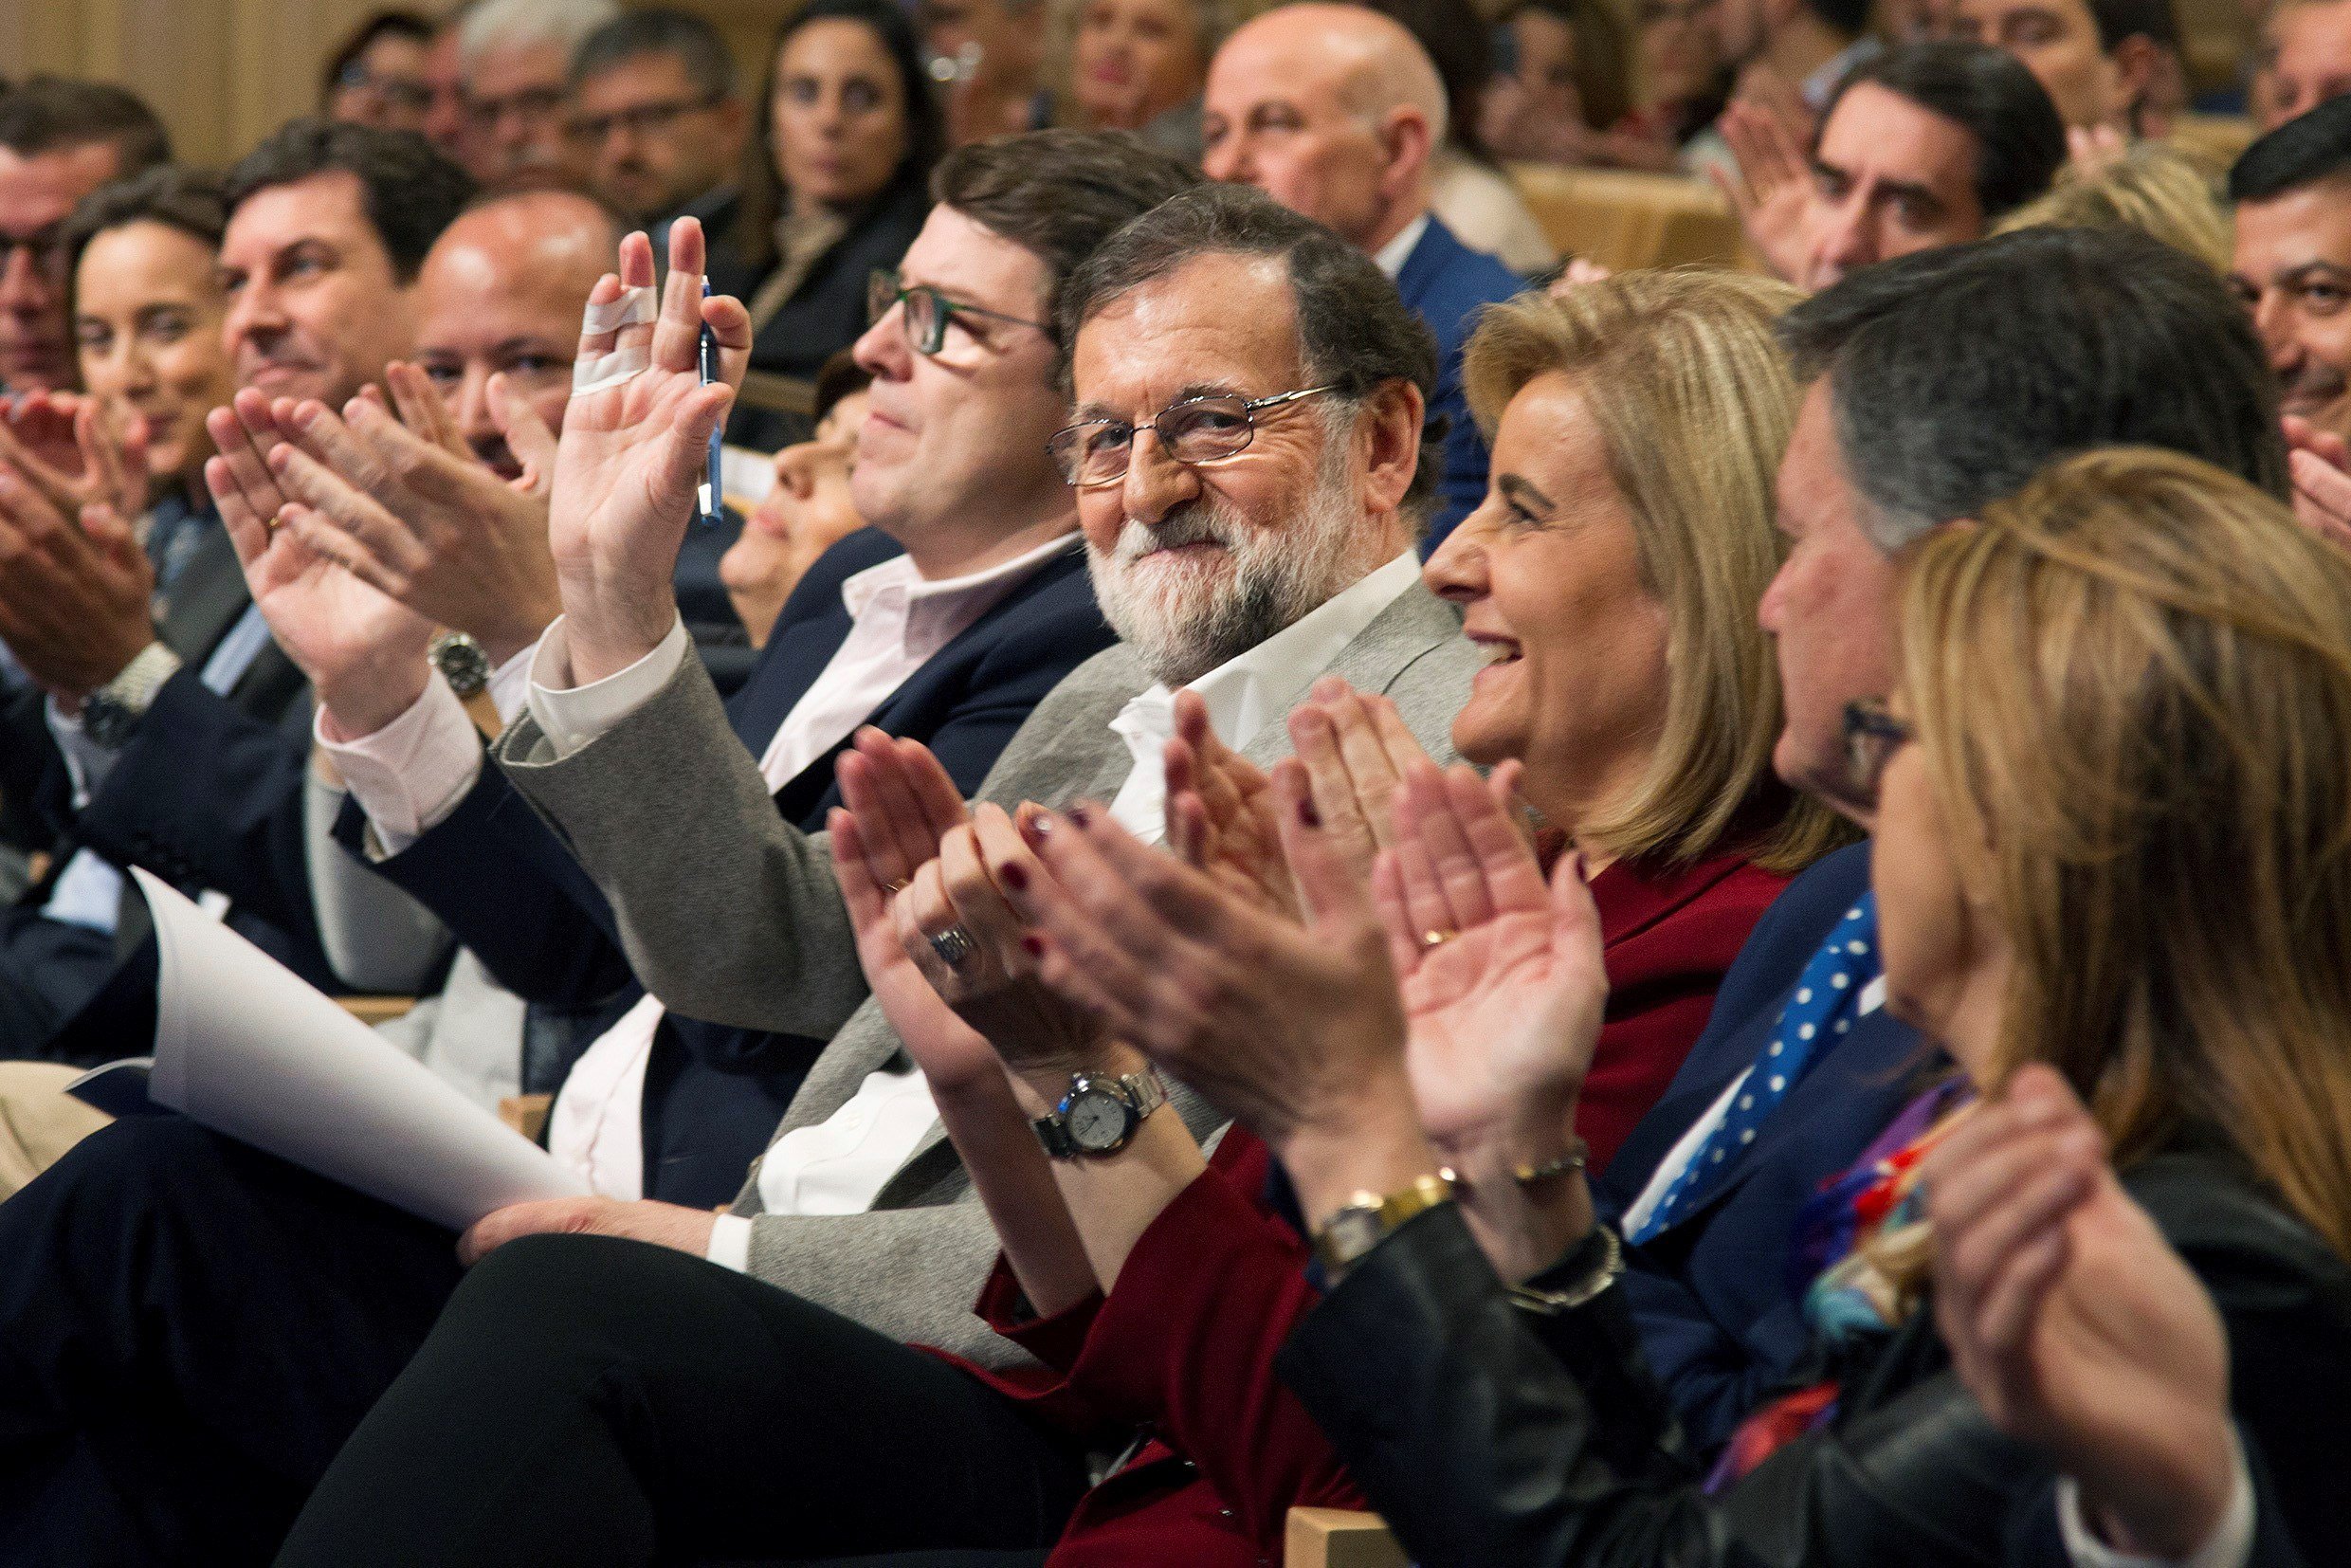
111 712
1144 1093
1370 1218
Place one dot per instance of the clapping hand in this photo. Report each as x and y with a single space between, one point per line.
2321 463
66 448
363 650
75 589
631 455
1772 188
1220 811
2074 1324
1355 749
407 507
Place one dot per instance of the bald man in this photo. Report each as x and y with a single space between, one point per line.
1335 112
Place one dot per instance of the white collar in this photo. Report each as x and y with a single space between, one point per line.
1393 255
1260 684
861 588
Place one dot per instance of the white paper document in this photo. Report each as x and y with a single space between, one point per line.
247 1048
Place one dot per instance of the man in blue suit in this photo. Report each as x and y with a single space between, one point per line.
1335 111
1937 382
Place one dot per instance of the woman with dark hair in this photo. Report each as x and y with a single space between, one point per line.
835 185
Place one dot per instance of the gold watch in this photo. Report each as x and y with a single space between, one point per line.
1370 1218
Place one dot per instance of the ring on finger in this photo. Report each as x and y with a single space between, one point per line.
894 888
953 945
1436 938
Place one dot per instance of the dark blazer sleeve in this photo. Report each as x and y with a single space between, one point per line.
207 793
1468 1430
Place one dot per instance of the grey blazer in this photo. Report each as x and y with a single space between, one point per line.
668 813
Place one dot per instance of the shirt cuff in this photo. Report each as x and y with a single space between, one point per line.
412 774
86 762
572 717
2231 1546
730 1243
510 686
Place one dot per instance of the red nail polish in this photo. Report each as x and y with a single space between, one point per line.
1081 815
1032 944
1015 878
1306 813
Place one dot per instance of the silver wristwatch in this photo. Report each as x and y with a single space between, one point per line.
110 715
1099 1116
461 663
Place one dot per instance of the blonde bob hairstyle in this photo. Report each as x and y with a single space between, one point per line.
1693 401
2152 187
2131 685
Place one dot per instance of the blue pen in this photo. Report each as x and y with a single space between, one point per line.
706 494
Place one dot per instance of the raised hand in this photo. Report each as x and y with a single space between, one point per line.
75 589
2321 463
889 829
2074 1324
1287 1026
1772 188
417 516
1355 749
363 650
1221 811
631 455
1503 981
64 445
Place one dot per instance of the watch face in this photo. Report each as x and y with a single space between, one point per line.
1097 1121
461 663
107 721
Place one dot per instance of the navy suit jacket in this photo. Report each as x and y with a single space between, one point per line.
1445 283
508 888
1721 1320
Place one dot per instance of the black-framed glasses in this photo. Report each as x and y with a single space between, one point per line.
406 91
1194 431
640 119
928 312
1872 735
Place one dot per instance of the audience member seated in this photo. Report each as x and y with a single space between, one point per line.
378 78
834 190
654 103
1467 191
2304 59
174 735
1924 145
1138 65
990 54
514 59
1335 112
2149 186
1566 95
2101 61
2291 194
59 141
1789 58
987 406
2121 667
1683 83
1172 305
446 124
812 508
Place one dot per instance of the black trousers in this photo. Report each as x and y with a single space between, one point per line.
188 1331
587 1401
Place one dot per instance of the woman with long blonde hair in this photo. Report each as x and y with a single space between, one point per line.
2113 842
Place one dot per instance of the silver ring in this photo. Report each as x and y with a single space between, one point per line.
953 945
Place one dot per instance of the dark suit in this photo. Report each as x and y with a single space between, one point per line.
1718 1319
508 889
1487 1435
195 798
1446 283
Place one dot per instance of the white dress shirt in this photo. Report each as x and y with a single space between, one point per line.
1391 256
2230 1544
1248 691
416 769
